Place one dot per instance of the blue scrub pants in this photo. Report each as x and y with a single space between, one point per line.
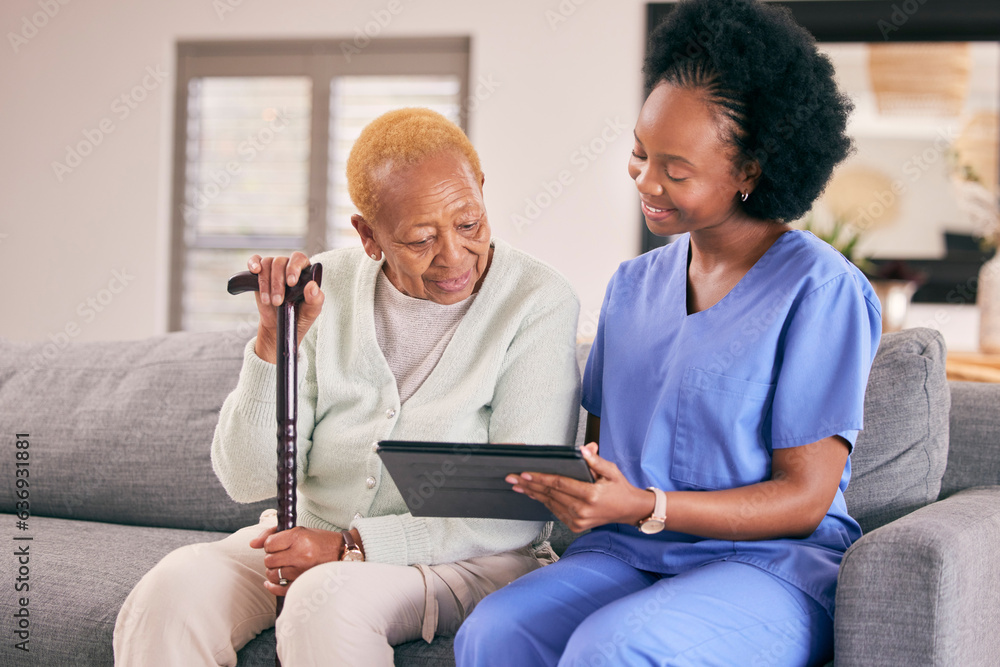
592 609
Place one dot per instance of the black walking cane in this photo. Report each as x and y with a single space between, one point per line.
288 394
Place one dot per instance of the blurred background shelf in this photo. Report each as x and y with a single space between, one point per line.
973 366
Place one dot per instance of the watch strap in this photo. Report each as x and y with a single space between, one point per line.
350 545
660 506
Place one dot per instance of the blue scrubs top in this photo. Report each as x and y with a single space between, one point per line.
699 402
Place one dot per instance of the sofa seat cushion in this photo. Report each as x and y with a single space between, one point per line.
80 573
900 456
439 653
122 431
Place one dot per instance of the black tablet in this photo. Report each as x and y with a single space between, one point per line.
446 479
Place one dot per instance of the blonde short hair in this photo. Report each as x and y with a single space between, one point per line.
400 137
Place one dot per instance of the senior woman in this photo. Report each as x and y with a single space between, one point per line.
430 331
725 385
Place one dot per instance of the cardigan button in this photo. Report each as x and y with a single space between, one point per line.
390 413
357 515
375 446
370 482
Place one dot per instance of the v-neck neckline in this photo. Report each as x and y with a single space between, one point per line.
725 297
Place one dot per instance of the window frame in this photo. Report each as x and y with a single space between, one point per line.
321 60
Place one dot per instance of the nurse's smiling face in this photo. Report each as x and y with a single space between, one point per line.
682 165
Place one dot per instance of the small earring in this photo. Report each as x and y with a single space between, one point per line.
744 196
374 256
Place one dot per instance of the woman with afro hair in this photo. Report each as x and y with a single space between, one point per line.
725 387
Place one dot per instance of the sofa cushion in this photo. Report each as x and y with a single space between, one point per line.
900 456
974 443
80 573
259 652
122 431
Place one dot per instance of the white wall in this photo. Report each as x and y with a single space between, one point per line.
560 86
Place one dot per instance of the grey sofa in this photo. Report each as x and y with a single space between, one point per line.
118 456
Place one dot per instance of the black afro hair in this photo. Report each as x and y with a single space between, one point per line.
765 74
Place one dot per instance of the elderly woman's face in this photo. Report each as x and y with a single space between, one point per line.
682 168
431 224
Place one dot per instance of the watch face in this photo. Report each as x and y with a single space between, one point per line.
650 526
352 555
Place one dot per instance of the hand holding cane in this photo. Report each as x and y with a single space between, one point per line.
287 379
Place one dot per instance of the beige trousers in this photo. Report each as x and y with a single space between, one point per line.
203 602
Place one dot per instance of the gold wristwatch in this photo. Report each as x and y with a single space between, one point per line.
352 552
656 521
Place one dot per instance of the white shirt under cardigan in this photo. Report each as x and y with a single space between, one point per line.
509 374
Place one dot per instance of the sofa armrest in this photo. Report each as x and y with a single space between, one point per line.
924 589
974 447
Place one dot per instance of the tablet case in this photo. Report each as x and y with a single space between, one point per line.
440 479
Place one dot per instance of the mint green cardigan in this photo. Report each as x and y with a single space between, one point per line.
508 375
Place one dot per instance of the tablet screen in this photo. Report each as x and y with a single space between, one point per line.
443 479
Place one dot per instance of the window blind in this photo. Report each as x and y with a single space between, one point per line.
262 136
